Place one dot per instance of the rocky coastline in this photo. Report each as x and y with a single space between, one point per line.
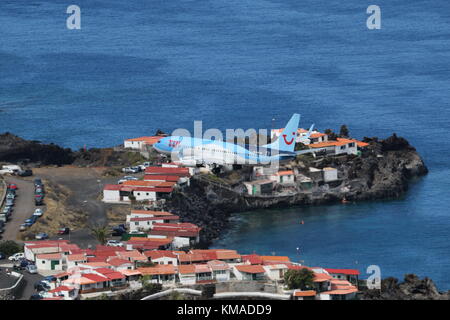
383 172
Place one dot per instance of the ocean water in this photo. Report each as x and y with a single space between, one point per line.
138 66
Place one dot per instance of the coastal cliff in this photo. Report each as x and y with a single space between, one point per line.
383 171
412 288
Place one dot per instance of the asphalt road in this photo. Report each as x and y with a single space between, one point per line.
23 207
28 285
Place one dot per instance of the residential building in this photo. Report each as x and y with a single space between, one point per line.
283 177
259 187
141 142
249 272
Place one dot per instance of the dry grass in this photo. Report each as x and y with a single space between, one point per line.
117 214
57 214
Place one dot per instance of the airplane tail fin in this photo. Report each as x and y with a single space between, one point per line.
286 140
309 131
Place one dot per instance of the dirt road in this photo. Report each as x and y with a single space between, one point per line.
23 207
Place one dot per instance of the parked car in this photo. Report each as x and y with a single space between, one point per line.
38 200
23 227
38 182
38 212
39 190
135 169
9 202
10 196
31 220
41 286
12 186
49 279
31 268
41 236
36 296
114 243
25 173
2 256
16 256
64 230
6 210
119 230
122 226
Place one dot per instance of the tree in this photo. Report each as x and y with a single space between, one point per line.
344 132
300 146
299 279
9 247
331 134
100 233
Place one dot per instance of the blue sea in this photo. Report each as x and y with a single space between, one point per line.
138 66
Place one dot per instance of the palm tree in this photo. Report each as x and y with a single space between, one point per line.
100 232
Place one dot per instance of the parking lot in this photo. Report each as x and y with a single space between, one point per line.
23 207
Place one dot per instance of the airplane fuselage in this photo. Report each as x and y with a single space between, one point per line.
205 151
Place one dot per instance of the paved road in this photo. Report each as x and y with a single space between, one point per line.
23 207
29 281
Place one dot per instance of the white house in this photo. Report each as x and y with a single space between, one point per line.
249 272
141 142
49 261
283 177
162 257
67 293
340 146
221 271
186 274
121 193
275 271
73 260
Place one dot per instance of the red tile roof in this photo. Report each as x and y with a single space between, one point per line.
182 172
185 269
251 268
156 254
156 177
95 277
252 258
268 259
158 269
307 293
50 256
116 262
321 277
352 272
61 288
147 140
151 212
340 292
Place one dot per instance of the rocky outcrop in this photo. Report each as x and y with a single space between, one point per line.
15 149
412 288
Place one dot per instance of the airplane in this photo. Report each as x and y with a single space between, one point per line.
305 139
195 151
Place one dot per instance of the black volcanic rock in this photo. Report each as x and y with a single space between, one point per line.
412 288
15 149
